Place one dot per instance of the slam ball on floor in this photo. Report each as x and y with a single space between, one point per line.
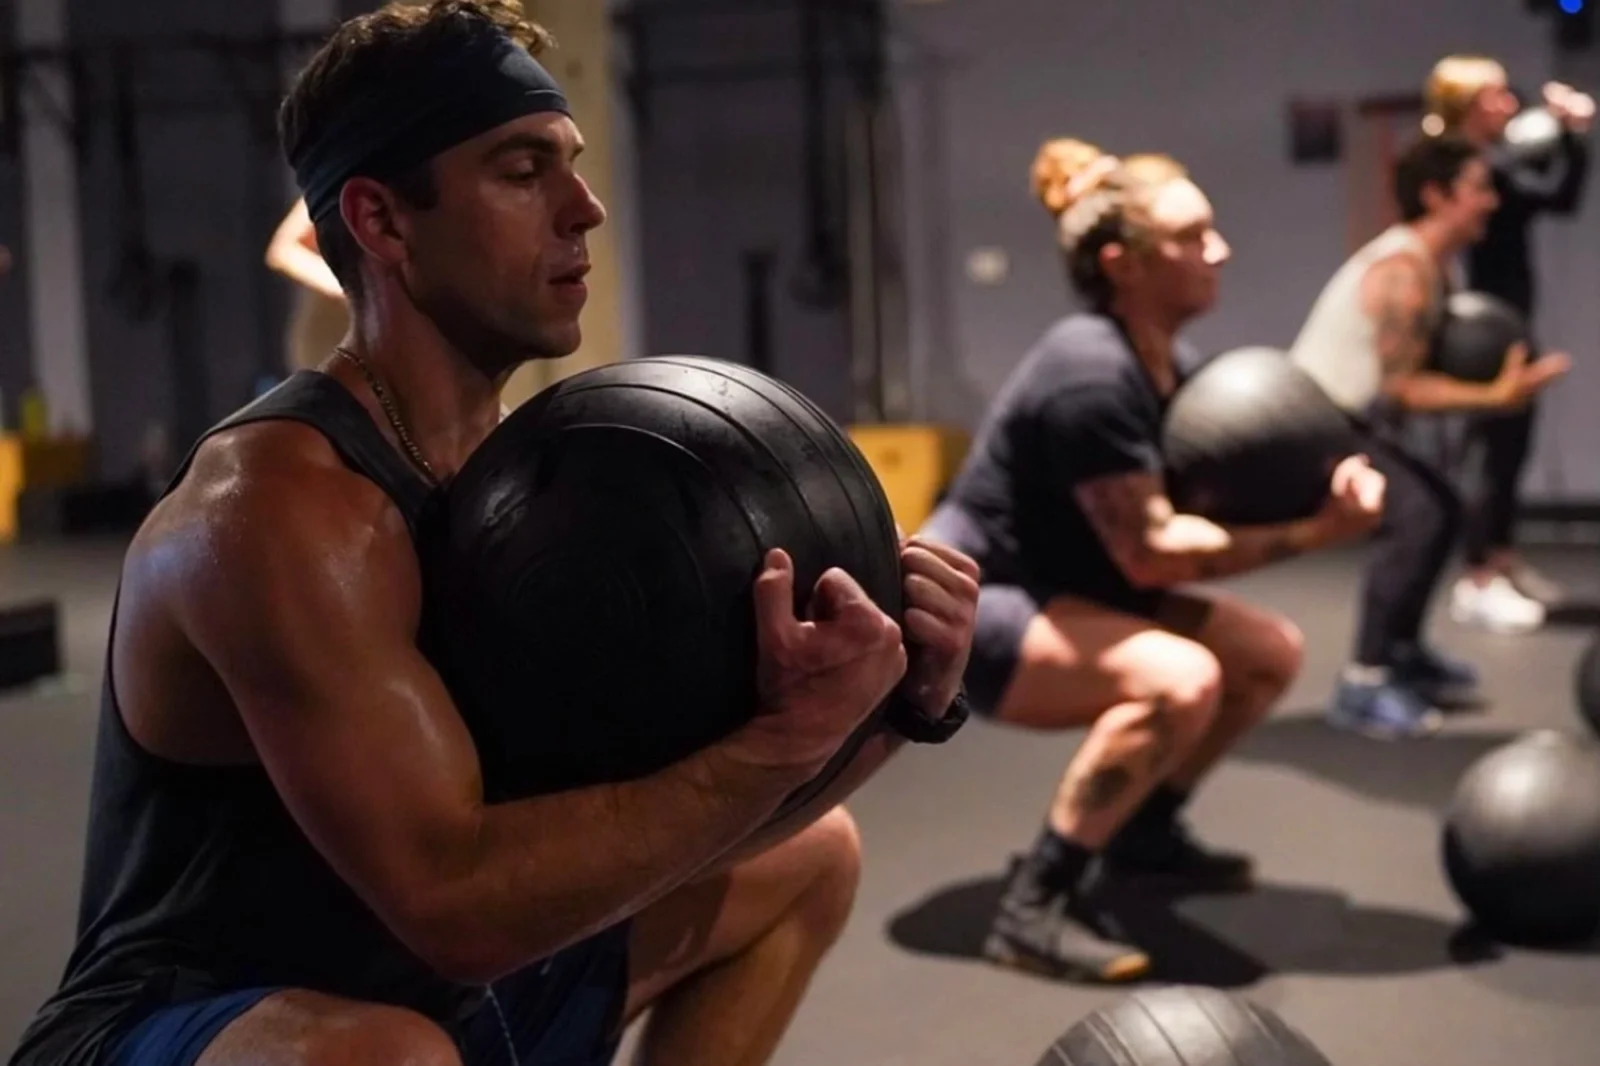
1521 840
1183 1026
1251 439
590 576
1586 684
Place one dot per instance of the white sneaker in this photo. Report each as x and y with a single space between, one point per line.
1497 607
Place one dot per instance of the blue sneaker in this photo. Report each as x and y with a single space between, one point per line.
1383 710
1432 674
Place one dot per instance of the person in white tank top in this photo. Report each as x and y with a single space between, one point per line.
1367 341
320 317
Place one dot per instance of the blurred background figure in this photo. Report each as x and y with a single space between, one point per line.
1472 96
319 317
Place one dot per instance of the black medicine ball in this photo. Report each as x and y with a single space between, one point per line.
1183 1026
1474 336
1251 439
590 592
1521 840
1586 684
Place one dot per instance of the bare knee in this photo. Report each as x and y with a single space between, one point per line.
1277 650
383 1035
1184 680
834 862
311 1029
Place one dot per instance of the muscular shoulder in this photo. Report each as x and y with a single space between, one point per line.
268 501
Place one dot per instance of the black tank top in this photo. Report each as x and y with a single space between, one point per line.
197 880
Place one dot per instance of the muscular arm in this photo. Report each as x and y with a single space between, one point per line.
1155 547
293 252
304 596
868 761
1397 294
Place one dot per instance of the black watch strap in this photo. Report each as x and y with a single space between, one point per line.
917 726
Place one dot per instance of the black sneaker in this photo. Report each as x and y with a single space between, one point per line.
1059 935
1174 858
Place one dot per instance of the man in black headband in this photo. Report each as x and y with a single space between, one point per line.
290 859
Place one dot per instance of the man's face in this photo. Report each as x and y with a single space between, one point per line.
1177 264
1466 206
499 261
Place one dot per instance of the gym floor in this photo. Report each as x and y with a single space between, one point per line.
1353 936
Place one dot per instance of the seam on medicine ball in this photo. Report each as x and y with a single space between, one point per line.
748 436
830 430
1166 1035
1112 1041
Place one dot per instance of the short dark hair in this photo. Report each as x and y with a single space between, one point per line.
1429 160
372 49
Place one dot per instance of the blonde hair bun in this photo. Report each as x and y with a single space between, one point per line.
1065 169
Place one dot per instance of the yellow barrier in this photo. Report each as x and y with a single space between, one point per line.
914 462
32 463
10 485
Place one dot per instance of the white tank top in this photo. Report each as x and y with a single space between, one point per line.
1338 345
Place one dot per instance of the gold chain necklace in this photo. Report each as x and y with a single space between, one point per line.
387 404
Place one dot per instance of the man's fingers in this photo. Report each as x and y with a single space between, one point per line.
1372 494
774 596
843 607
958 581
928 595
938 635
957 560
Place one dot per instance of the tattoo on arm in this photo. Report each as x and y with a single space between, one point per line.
1136 522
1274 547
1119 507
1398 302
1123 509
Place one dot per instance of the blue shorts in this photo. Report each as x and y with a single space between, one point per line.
567 1011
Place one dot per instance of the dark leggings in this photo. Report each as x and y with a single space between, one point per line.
1506 441
1422 518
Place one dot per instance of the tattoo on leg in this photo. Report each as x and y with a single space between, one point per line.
1101 789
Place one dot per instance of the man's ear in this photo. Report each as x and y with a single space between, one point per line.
371 214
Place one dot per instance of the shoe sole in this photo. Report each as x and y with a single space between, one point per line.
1126 968
1431 726
1500 629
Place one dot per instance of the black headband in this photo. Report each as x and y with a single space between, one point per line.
384 129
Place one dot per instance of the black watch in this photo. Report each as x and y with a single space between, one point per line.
914 724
